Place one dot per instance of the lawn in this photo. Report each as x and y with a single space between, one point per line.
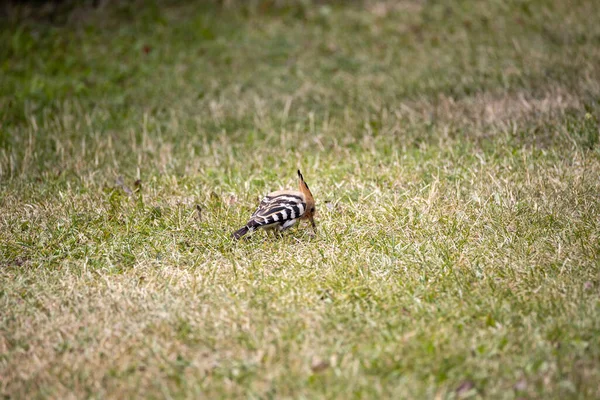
452 148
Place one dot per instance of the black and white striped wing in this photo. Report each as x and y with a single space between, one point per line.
278 209
264 204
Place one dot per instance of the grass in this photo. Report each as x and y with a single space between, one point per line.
453 151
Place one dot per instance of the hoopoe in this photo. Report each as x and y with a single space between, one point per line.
281 210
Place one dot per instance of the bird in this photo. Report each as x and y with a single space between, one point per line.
280 210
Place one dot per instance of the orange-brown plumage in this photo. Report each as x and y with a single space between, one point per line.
310 201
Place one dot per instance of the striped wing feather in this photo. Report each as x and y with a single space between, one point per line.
277 208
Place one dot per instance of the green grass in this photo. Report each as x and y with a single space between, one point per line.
453 151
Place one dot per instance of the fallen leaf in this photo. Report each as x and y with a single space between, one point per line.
464 387
19 261
521 385
121 183
319 365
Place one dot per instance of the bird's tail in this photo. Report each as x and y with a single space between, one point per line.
239 233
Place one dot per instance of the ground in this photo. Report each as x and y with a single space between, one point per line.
453 151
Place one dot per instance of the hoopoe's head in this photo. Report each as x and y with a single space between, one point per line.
310 201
